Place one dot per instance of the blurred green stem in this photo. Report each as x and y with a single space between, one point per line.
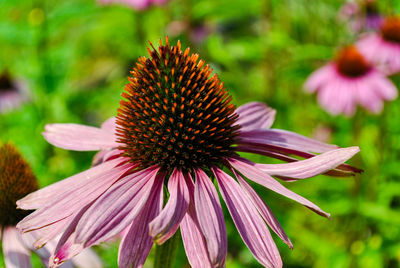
165 253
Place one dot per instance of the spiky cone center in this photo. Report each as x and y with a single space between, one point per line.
390 29
16 181
351 63
175 113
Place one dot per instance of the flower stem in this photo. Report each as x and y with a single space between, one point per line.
165 253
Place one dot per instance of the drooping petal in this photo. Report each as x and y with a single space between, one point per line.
248 221
267 181
255 115
286 139
88 258
210 217
342 170
192 237
114 210
66 248
264 210
167 222
71 200
45 195
79 137
312 166
137 243
46 234
66 252
16 255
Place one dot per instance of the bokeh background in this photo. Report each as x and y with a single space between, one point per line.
74 57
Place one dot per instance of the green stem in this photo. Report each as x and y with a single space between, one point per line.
165 253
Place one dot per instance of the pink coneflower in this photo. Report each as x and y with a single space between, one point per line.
176 126
383 48
361 15
348 81
135 4
12 93
16 181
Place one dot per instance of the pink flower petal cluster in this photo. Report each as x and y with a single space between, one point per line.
17 250
349 81
135 4
383 47
12 93
95 205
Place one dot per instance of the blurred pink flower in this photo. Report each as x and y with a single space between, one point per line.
361 15
348 81
12 93
383 48
135 4
179 134
16 181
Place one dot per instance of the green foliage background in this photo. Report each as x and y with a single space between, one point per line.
75 55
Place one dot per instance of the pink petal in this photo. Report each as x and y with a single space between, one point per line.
16 255
114 210
192 237
255 115
45 195
267 181
109 125
66 247
87 258
45 235
342 170
384 87
44 252
79 137
283 138
337 95
106 155
66 252
312 166
264 210
71 200
318 78
211 219
249 223
368 98
136 244
167 222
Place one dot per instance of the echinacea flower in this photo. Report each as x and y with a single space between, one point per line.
176 126
383 48
12 93
361 15
16 181
348 81
135 4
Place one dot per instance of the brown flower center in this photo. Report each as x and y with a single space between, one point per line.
351 63
16 181
5 82
175 114
390 29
